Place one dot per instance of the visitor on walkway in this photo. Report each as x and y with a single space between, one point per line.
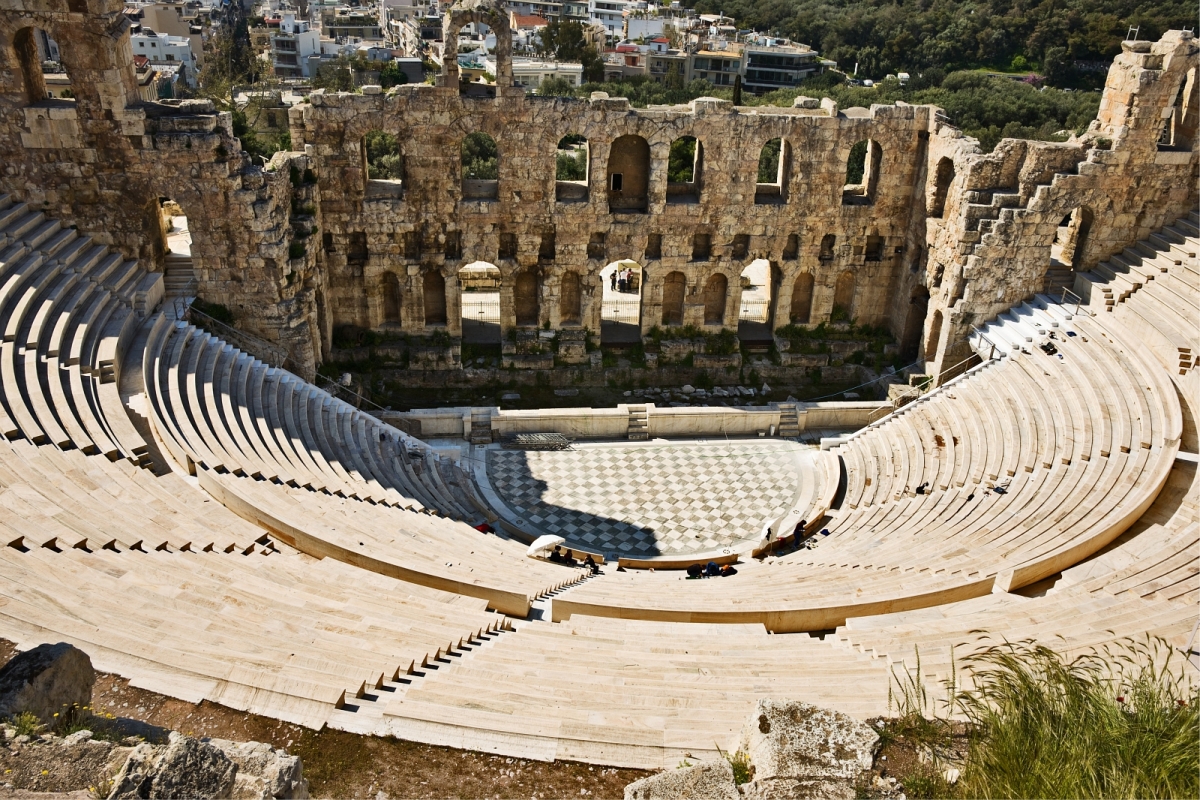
612 280
728 570
591 564
798 533
712 570
569 558
695 571
621 283
556 555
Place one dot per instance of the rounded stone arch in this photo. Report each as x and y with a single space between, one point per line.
843 297
433 297
570 297
30 84
159 204
914 323
527 287
802 299
627 174
487 12
391 290
674 288
716 296
1068 248
943 177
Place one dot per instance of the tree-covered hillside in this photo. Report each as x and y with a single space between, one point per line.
1069 41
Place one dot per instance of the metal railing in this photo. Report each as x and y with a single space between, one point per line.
754 310
621 310
481 308
924 389
1078 300
266 352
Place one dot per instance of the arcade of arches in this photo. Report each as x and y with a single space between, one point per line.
735 220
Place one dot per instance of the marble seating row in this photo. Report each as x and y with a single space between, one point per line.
123 563
626 692
326 477
68 308
1054 458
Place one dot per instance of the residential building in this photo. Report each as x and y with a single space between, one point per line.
292 47
351 24
530 72
170 51
772 63
185 19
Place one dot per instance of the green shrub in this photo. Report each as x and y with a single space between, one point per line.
26 723
217 311
1118 723
740 762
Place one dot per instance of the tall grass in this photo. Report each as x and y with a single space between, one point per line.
1122 723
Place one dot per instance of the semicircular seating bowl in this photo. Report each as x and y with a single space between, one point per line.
1027 465
186 592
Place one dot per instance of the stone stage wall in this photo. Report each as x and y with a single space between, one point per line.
937 237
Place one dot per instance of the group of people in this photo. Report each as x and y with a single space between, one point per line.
621 280
710 570
558 556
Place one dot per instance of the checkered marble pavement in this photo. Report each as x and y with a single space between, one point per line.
652 499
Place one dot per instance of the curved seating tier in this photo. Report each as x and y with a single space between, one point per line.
324 476
68 307
164 586
626 693
1026 465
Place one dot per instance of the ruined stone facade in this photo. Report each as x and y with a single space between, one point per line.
937 237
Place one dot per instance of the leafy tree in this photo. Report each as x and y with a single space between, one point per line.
571 165
390 74
768 162
555 86
856 164
384 161
593 65
480 159
681 163
334 75
562 39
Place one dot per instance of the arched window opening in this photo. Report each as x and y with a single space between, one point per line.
674 287
1070 240
715 292
621 285
802 298
756 292
791 250
479 290
914 323
433 289
383 165
843 298
525 297
684 170
391 298
942 178
862 173
628 178
935 333
29 45
570 298
774 163
480 167
571 165
827 243
1180 117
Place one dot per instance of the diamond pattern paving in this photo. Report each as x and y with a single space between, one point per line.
647 500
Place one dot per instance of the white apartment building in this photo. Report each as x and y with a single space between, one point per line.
530 72
161 48
292 46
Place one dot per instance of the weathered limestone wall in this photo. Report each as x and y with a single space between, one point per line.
995 248
104 161
939 237
408 232
613 423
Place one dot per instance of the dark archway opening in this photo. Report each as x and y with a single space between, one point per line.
628 175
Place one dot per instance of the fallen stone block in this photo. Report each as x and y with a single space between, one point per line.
46 680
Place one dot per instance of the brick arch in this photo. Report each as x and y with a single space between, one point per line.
487 12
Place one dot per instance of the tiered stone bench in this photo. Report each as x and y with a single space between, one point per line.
324 476
626 693
69 308
1013 522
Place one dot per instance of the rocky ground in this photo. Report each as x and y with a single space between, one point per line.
336 764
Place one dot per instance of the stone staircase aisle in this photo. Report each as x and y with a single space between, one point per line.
639 423
1116 280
